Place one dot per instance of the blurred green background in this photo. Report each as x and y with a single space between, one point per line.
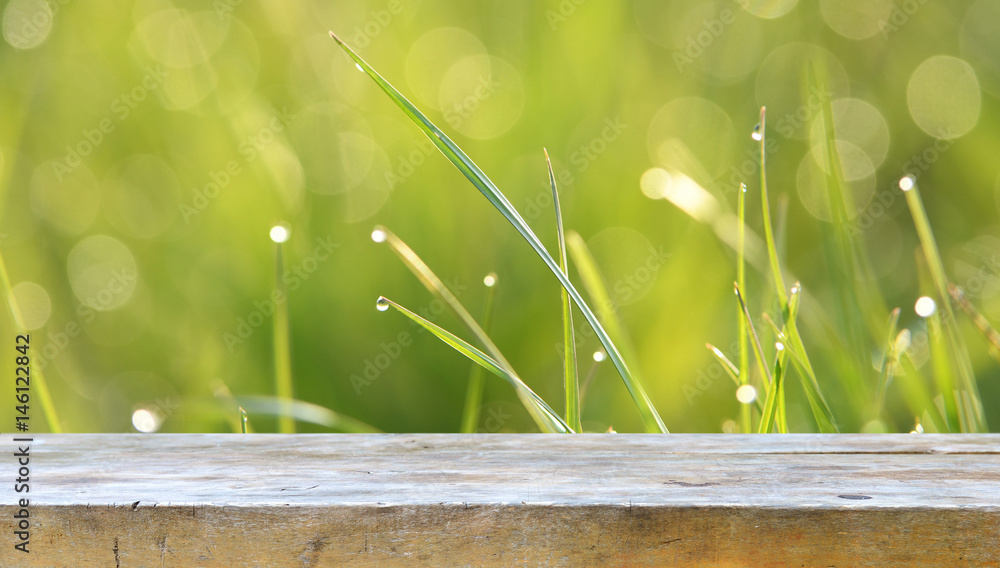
148 147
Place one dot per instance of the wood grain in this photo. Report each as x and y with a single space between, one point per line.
508 500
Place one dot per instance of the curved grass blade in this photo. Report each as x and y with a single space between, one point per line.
793 346
437 287
727 365
570 376
474 395
757 349
772 251
767 418
40 384
306 412
546 419
475 175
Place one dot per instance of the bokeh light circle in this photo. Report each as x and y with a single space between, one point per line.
859 123
779 87
811 185
979 40
691 129
102 272
335 147
856 19
432 56
630 263
69 201
943 97
768 9
142 196
33 304
26 23
482 97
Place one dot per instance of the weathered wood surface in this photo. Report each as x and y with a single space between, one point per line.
508 500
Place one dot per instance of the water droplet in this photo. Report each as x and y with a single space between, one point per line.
358 65
746 394
756 134
906 184
378 235
490 280
925 307
279 234
743 187
599 356
382 304
779 346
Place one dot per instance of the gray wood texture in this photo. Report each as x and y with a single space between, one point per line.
219 500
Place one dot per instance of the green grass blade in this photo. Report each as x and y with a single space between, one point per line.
546 419
727 365
243 420
741 281
767 418
757 349
772 251
570 373
306 412
38 382
282 345
438 288
976 422
788 336
475 175
889 361
474 395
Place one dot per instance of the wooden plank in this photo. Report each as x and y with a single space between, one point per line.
220 500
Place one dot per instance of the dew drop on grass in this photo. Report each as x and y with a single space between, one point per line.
756 135
925 306
746 394
599 356
378 235
490 280
906 184
382 304
358 65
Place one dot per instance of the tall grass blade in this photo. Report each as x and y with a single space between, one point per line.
767 418
38 383
546 419
570 373
757 349
474 395
243 420
475 175
741 281
772 251
976 422
282 346
789 337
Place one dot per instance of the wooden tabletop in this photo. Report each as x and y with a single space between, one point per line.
505 500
